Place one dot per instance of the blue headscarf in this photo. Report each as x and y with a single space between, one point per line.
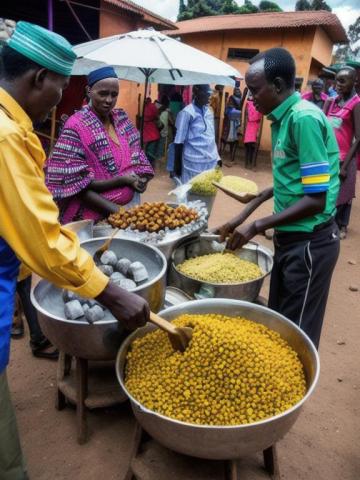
100 74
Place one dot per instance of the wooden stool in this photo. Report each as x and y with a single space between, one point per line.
92 384
230 466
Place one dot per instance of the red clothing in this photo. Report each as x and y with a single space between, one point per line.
151 132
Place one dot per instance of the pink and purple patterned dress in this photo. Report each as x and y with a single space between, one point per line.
341 118
85 152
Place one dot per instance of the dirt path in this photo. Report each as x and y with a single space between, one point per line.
323 444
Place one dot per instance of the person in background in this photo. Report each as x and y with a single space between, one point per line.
166 122
253 119
305 165
195 145
298 84
176 104
316 95
151 133
329 82
232 121
32 79
40 346
215 105
97 163
343 112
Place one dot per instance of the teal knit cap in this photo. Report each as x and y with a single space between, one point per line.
46 48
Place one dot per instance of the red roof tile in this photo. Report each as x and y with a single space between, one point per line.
260 21
143 12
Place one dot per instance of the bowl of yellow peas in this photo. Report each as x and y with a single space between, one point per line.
201 268
237 389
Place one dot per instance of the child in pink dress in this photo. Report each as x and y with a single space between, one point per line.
252 125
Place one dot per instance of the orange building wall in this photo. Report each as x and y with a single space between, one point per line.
322 47
302 43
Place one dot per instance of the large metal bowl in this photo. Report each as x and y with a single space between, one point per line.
228 442
101 340
166 245
204 245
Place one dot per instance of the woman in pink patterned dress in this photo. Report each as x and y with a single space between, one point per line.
97 163
344 114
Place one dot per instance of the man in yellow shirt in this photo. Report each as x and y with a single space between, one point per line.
36 65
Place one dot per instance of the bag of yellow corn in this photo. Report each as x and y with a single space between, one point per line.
202 183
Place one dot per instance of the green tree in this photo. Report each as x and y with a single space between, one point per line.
229 6
351 51
302 5
202 9
320 5
267 6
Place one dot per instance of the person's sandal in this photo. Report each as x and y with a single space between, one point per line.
343 233
17 331
39 350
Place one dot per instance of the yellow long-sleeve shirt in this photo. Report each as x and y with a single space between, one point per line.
28 214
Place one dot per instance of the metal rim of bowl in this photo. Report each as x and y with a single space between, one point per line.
102 322
245 247
127 343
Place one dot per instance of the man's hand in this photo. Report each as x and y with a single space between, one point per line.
130 309
343 173
223 230
241 236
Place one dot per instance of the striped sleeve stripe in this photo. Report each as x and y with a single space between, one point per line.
315 179
319 168
324 187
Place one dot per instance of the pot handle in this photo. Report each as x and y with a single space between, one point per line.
206 291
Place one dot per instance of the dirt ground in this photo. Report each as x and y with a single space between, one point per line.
323 444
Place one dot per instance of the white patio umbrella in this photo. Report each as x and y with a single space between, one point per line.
148 56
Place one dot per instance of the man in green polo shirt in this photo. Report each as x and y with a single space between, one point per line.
305 162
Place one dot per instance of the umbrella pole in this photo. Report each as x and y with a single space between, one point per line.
143 109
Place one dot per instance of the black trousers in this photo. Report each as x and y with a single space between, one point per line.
342 217
23 288
301 277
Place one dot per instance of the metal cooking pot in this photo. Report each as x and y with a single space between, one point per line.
225 442
204 245
101 340
84 229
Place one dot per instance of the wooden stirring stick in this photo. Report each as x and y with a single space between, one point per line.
105 246
178 336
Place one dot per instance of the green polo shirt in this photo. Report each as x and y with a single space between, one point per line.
305 159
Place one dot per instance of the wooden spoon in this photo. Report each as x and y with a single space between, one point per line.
179 336
244 197
105 246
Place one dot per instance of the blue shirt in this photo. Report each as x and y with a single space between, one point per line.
195 130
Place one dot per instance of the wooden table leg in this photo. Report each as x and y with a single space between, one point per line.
231 470
271 462
81 394
60 399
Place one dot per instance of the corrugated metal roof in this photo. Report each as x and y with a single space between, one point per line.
139 10
260 21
